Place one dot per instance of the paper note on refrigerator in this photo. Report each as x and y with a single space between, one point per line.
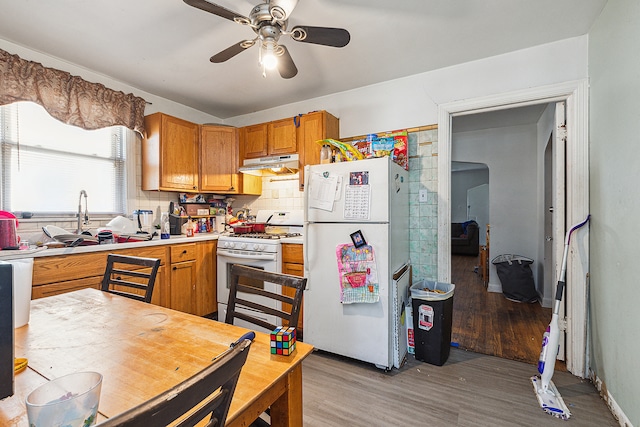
357 202
322 191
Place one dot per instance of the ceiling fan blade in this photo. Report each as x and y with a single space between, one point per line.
286 67
336 37
231 51
215 9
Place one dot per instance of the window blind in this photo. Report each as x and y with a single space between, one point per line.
45 163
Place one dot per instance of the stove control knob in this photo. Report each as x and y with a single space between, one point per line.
229 245
262 247
243 246
256 247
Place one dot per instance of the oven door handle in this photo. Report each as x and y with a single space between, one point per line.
269 257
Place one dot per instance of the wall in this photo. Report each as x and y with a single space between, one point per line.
614 68
461 181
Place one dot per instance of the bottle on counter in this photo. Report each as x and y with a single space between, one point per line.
165 227
325 154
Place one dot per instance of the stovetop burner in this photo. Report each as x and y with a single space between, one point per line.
264 235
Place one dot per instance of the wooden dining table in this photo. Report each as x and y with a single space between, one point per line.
142 350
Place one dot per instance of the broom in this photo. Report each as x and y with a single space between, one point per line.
548 395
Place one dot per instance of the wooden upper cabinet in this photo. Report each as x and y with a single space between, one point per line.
282 138
314 127
254 141
267 139
219 159
170 154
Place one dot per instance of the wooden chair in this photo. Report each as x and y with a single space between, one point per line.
206 394
124 276
290 311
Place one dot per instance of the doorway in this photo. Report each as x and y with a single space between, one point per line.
575 95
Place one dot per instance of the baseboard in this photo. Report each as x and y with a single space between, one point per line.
493 287
617 412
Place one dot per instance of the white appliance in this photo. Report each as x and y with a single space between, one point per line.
259 250
370 196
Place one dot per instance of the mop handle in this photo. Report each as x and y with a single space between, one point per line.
563 270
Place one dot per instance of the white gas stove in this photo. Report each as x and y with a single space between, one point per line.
259 250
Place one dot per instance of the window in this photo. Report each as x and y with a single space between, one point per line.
46 163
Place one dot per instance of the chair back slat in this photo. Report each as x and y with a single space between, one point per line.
289 317
122 270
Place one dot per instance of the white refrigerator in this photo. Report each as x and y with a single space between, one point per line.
371 199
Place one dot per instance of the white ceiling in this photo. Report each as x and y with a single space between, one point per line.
163 46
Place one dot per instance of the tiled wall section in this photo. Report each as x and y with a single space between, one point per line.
283 193
423 217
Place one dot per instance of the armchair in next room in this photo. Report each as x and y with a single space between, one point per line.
465 238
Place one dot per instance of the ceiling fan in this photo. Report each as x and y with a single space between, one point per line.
269 21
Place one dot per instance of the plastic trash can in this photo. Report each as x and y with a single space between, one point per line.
516 277
22 281
432 318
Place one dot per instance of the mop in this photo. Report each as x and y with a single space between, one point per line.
548 395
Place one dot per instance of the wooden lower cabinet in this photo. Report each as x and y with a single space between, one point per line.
206 272
186 279
293 263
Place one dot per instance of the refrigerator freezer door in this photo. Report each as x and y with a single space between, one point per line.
363 330
385 180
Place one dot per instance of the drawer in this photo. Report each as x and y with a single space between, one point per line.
62 268
185 252
292 253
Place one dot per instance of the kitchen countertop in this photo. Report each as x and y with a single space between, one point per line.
6 255
298 240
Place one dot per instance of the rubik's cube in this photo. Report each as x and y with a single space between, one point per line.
283 340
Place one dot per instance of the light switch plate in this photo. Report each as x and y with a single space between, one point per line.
423 195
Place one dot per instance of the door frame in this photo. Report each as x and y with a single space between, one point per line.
576 96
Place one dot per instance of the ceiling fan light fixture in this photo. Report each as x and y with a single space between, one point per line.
268 59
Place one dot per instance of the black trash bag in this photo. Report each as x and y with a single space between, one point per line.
516 277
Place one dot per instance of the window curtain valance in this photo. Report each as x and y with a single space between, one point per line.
68 98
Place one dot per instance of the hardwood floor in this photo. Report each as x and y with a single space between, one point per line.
488 323
470 389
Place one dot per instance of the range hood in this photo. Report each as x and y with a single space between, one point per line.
273 165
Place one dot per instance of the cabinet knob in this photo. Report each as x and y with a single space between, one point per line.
175 268
184 251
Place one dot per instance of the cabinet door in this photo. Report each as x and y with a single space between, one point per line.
282 137
219 159
292 263
254 141
313 127
205 301
169 154
183 275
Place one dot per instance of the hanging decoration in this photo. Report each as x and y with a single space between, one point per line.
358 274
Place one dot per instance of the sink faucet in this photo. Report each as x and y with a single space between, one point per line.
86 212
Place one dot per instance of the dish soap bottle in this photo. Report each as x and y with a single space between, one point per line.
325 154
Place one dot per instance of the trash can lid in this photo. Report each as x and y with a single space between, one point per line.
432 291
